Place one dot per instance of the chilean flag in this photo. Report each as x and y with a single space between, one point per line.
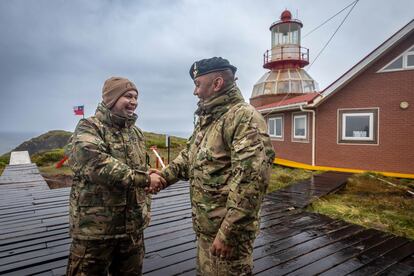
78 110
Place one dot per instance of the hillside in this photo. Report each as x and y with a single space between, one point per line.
50 140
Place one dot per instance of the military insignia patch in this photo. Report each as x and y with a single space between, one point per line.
195 70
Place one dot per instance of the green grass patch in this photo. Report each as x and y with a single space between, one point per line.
284 176
372 203
4 160
48 157
52 170
153 139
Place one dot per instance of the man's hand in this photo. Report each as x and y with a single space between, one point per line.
220 249
157 183
151 171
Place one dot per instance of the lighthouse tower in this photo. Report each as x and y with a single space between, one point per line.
285 60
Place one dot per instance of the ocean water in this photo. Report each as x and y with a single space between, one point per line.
10 140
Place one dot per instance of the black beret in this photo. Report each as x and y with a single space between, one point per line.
209 65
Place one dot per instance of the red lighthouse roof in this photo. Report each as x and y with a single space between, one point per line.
286 15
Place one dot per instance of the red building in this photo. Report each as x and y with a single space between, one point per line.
364 121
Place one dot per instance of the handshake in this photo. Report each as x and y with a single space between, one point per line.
157 182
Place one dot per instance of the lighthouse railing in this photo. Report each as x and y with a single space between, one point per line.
288 53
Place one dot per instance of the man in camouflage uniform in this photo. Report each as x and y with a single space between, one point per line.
109 207
227 160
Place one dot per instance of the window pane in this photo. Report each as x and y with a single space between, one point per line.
300 124
396 64
271 127
295 37
268 88
279 127
283 87
357 126
296 86
308 86
410 60
284 75
294 74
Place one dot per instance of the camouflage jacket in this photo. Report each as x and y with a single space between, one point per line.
108 158
227 160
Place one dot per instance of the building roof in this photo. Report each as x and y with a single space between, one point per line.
372 57
291 102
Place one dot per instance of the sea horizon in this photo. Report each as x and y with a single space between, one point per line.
10 140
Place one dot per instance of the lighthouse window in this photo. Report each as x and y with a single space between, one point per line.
294 74
296 86
283 87
295 37
284 75
358 126
268 88
308 86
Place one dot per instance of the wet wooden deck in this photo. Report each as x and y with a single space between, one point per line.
34 233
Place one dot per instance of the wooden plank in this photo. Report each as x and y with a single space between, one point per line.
365 257
276 256
340 256
387 260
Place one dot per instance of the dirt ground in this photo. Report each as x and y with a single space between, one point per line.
58 181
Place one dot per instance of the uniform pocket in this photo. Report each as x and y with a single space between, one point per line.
108 220
102 197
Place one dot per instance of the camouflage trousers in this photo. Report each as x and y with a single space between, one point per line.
122 256
240 264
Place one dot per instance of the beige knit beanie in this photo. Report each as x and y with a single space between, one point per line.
114 88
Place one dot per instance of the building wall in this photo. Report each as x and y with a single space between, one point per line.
395 149
298 150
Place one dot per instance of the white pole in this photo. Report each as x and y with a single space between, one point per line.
159 157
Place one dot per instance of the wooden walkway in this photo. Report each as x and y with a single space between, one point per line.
34 233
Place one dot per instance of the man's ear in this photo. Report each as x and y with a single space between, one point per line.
218 84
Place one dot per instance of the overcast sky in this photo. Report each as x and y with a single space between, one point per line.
56 54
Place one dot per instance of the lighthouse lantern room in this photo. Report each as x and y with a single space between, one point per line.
286 60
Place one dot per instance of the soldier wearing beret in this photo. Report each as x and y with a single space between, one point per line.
227 161
109 207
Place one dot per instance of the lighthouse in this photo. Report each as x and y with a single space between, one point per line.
285 60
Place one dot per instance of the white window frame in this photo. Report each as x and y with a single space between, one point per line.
405 66
375 140
273 120
371 126
299 116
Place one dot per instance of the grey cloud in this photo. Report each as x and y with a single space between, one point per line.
57 54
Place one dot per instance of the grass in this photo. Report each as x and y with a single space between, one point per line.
284 176
372 203
50 169
4 160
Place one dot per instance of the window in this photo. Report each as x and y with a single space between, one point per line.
275 126
358 126
403 62
299 127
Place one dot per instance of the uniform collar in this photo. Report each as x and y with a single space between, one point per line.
221 101
106 116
